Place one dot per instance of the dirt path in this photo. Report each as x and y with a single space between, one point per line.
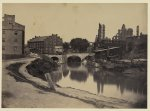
26 95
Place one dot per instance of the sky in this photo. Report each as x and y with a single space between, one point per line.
77 20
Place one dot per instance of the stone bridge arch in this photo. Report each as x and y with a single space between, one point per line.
74 58
58 58
82 56
55 58
64 58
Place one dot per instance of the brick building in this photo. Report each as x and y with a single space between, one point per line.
13 35
46 44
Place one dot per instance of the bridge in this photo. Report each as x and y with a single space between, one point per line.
66 57
108 53
58 58
78 57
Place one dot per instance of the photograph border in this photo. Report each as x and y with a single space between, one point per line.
77 1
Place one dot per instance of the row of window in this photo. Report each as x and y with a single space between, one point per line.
31 45
36 45
15 33
14 47
3 40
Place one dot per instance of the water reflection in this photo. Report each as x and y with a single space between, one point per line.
80 76
100 81
56 75
74 64
101 78
65 70
76 72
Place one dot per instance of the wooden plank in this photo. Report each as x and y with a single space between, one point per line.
50 82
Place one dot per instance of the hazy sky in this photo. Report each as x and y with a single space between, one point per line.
77 20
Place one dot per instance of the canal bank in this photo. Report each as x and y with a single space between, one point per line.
23 94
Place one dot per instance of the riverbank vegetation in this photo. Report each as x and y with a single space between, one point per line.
40 66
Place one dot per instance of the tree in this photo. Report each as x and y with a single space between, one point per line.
79 44
66 46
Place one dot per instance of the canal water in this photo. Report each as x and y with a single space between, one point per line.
100 82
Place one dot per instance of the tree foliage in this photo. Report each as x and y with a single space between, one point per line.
79 44
66 46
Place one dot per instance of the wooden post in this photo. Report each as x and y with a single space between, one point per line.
50 82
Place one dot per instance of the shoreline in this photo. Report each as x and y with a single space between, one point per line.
89 99
24 95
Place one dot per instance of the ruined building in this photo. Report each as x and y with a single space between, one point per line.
101 33
123 33
100 38
13 35
131 43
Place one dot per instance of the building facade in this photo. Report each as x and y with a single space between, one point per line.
13 35
46 44
124 33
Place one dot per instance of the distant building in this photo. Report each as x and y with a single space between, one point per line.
129 41
100 36
123 33
101 33
46 44
136 43
13 35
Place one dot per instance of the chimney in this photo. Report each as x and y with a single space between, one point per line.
137 31
36 36
103 31
99 31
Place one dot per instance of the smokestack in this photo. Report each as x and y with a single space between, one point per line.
99 31
103 31
137 30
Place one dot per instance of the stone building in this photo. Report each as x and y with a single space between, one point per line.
46 44
101 33
123 33
129 41
100 37
125 40
13 35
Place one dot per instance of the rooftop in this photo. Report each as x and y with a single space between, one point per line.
42 38
38 38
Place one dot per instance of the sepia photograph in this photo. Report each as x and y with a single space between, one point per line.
74 55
